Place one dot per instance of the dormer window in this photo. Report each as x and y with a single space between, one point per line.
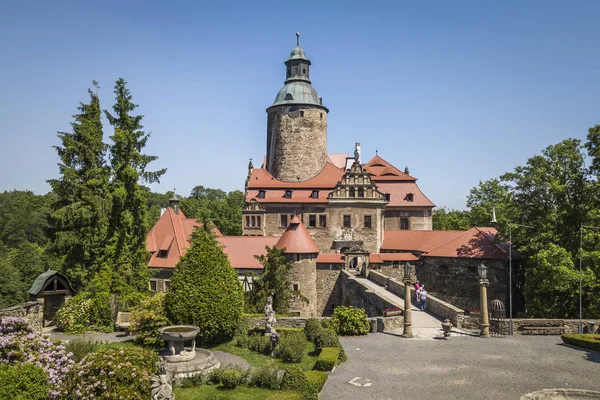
387 196
409 197
289 96
261 194
314 194
288 194
162 254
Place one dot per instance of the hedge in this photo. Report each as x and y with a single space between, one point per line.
317 378
285 396
586 341
23 382
327 359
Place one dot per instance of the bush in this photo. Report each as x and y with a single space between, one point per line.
586 341
231 378
259 343
312 328
85 311
326 338
317 378
286 396
331 324
205 291
350 321
295 379
291 347
147 318
82 347
115 372
342 357
21 344
214 375
190 381
265 377
327 359
23 382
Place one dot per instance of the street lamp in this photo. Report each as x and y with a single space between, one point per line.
407 279
580 328
483 282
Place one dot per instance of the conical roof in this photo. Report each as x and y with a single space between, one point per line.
296 239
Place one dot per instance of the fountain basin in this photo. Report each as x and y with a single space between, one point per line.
177 335
562 394
178 332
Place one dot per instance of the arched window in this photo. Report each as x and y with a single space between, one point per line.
352 193
288 96
409 197
361 192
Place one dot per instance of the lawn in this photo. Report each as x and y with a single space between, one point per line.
214 392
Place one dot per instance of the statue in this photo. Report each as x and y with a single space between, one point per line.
270 314
160 384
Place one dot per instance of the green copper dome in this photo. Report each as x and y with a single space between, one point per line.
298 54
297 92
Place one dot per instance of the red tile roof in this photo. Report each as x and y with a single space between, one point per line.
331 258
298 196
172 232
398 192
296 239
329 176
241 249
473 243
381 170
338 159
398 257
375 258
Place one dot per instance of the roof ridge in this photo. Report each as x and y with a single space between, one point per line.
492 241
171 211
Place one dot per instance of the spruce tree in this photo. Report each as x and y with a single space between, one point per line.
126 261
80 212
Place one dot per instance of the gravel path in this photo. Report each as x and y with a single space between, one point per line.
227 358
463 367
105 337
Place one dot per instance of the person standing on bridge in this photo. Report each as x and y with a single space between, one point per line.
423 298
417 287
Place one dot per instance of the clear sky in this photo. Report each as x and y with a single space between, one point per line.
458 91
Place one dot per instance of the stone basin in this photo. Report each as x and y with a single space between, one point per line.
562 394
178 332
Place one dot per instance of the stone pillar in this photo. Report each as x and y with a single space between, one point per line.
485 320
407 311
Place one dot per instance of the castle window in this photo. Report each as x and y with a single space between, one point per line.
283 220
367 221
302 113
347 221
312 221
289 72
409 197
303 70
247 221
288 96
296 70
297 256
166 282
288 194
323 221
361 192
253 221
352 192
153 285
314 194
162 254
296 287
258 221
321 115
387 196
261 194
404 224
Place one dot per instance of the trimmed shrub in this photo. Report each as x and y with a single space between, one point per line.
214 375
205 291
264 377
327 359
82 347
350 321
231 378
21 344
191 381
312 328
147 318
23 382
286 396
295 379
85 311
342 357
317 378
259 343
121 372
586 341
291 347
331 324
326 338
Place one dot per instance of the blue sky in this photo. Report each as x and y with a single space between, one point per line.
458 91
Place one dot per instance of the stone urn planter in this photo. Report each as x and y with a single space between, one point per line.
176 336
447 327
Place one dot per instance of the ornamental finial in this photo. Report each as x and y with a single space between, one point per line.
298 39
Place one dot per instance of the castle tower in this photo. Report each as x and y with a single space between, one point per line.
302 251
296 125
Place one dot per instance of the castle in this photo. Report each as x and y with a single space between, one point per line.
332 212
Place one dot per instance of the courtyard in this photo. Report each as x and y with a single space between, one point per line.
464 367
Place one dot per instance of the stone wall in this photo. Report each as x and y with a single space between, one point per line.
456 281
33 311
356 295
282 322
296 142
304 274
571 325
419 219
329 289
434 304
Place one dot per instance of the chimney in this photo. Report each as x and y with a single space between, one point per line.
162 211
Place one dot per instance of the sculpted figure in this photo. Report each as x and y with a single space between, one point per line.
160 383
270 314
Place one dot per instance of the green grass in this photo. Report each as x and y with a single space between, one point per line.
214 392
259 360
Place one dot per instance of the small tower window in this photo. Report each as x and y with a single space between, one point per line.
303 70
288 194
296 287
361 192
261 194
314 194
302 113
288 96
321 115
296 70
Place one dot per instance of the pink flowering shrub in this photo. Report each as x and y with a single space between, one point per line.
20 343
112 373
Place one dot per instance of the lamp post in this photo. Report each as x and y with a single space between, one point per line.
580 327
407 301
483 282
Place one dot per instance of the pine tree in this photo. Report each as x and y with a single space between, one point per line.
80 211
126 261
